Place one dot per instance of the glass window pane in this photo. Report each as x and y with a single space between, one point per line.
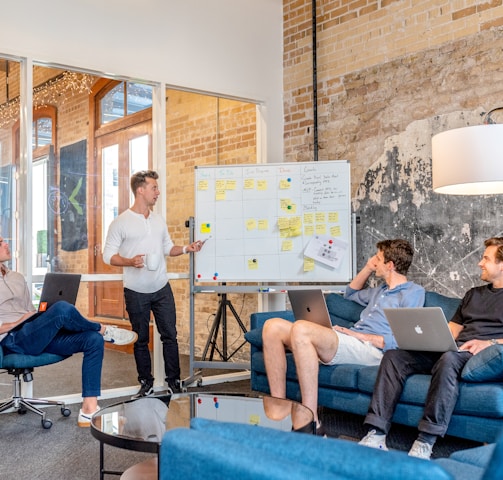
39 217
110 179
138 151
138 157
112 104
139 97
44 132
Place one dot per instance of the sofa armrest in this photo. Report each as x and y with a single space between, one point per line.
258 319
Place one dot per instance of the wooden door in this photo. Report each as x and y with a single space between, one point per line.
118 155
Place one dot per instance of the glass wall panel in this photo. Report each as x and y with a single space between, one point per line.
204 130
9 152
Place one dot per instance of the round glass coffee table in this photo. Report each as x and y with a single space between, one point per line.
140 424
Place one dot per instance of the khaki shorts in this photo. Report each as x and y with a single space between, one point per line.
352 350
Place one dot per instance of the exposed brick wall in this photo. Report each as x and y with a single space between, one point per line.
355 42
381 76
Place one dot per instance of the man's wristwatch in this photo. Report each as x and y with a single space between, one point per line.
494 341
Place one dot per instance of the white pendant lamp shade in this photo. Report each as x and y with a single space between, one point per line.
468 161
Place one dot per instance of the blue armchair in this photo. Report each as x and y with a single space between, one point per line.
22 365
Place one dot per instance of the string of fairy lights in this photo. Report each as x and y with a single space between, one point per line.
53 92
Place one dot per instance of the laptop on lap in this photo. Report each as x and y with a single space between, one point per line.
422 329
57 287
310 305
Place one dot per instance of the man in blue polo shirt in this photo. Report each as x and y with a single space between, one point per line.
364 343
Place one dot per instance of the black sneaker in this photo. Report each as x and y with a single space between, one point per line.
146 389
174 386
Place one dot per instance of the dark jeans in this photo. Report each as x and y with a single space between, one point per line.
396 366
162 305
62 330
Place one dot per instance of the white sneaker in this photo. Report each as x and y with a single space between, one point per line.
119 336
84 419
373 440
421 450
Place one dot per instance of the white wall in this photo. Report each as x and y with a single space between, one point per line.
231 47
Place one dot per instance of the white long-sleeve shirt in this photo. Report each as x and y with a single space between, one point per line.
132 234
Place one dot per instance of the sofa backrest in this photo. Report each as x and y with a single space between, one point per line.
448 304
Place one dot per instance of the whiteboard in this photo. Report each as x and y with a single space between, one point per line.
285 222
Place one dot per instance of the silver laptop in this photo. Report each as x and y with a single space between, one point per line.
57 287
310 305
422 329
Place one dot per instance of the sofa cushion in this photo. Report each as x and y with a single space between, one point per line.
486 366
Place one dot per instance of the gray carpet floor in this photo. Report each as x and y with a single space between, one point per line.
28 452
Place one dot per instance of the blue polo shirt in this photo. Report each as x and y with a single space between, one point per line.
372 319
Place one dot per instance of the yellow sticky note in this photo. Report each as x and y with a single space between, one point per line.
220 195
251 224
284 184
205 228
335 231
308 264
283 223
320 217
249 183
284 203
261 184
295 222
254 419
286 246
252 264
309 230
230 184
333 217
321 229
263 224
220 185
202 185
308 218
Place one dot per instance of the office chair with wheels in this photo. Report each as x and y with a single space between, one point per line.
18 364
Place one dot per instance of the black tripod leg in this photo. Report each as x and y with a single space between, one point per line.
212 337
236 316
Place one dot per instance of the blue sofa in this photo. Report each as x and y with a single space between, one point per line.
478 414
216 450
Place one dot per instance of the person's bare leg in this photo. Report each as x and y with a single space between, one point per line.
310 343
276 338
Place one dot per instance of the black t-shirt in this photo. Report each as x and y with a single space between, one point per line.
481 314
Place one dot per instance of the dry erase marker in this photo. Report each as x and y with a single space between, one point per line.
202 242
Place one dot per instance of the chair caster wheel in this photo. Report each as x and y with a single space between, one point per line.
47 423
21 410
66 412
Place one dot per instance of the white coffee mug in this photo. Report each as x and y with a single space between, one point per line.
152 261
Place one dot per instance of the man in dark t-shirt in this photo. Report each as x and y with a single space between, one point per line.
476 325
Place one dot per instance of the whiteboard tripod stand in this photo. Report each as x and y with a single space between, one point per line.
221 321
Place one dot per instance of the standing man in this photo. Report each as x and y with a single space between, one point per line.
476 325
138 241
364 343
